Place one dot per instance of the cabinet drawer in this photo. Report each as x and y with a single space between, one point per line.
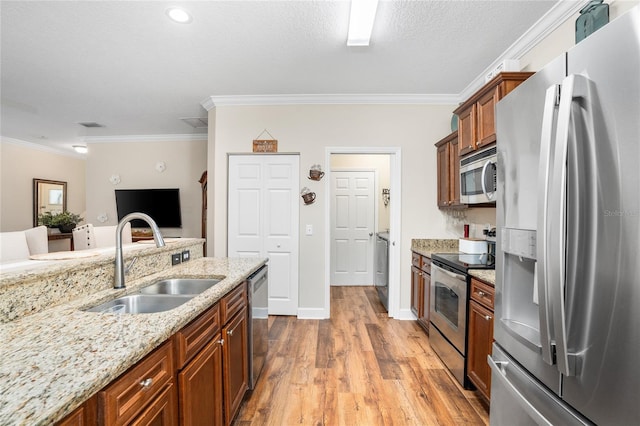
426 264
195 335
126 396
416 260
482 293
233 302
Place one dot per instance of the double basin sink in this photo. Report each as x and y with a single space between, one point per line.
160 296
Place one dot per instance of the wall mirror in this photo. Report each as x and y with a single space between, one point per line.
48 196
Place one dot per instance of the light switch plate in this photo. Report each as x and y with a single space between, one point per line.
309 230
176 258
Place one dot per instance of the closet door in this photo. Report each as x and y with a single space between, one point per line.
263 220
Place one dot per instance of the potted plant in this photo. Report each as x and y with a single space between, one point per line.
64 221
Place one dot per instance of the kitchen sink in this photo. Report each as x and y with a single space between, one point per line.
180 286
141 304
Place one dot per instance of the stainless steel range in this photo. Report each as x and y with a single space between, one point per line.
448 307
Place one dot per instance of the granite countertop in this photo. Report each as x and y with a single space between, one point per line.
486 275
426 247
54 360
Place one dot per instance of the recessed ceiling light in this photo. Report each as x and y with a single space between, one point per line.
80 149
179 15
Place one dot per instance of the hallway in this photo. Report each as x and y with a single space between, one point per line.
358 368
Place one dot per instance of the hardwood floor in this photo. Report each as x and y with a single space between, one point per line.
357 368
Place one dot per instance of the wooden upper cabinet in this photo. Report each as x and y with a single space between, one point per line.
448 165
476 116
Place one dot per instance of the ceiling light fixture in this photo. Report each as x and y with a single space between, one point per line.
179 15
80 149
363 13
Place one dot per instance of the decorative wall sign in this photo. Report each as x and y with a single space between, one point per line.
265 145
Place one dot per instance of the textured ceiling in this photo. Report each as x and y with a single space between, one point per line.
124 64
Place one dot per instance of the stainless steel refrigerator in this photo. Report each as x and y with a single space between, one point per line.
567 314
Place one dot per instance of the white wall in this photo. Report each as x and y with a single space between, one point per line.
309 129
563 38
135 163
20 163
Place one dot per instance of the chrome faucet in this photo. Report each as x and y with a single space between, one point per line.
118 281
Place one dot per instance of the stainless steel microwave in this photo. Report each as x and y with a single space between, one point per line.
478 177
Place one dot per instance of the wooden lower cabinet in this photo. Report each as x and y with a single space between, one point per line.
162 412
236 364
420 288
200 388
139 389
480 334
84 415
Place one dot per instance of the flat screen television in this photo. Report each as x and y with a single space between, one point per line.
163 205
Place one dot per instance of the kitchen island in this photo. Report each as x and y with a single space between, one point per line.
54 360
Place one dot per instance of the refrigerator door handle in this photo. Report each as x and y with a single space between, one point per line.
573 87
500 367
544 178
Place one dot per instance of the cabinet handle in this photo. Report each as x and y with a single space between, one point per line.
221 342
146 383
230 332
481 293
487 317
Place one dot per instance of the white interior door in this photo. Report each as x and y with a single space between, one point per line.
352 227
263 221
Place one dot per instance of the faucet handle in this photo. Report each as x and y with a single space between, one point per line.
130 265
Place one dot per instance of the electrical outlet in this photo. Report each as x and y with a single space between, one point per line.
186 255
176 259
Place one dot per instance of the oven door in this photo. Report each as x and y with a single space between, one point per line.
448 306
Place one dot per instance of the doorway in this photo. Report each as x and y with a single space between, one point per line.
386 216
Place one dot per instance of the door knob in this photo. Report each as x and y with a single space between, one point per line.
371 234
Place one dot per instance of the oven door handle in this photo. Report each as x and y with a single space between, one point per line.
451 274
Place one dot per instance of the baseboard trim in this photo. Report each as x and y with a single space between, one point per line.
405 315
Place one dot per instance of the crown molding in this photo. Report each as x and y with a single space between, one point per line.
147 138
44 148
335 99
549 22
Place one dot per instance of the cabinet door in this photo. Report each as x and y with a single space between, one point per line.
443 175
161 412
480 339
86 414
200 388
467 130
128 395
416 286
235 364
454 173
486 107
426 289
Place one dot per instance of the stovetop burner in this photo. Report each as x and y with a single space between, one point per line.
465 261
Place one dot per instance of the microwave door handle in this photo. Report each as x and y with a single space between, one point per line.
544 178
483 178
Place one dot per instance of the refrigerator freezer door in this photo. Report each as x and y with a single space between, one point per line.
518 327
603 225
517 398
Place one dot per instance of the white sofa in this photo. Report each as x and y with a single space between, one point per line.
89 236
19 245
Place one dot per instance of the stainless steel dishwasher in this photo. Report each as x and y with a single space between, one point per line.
258 323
